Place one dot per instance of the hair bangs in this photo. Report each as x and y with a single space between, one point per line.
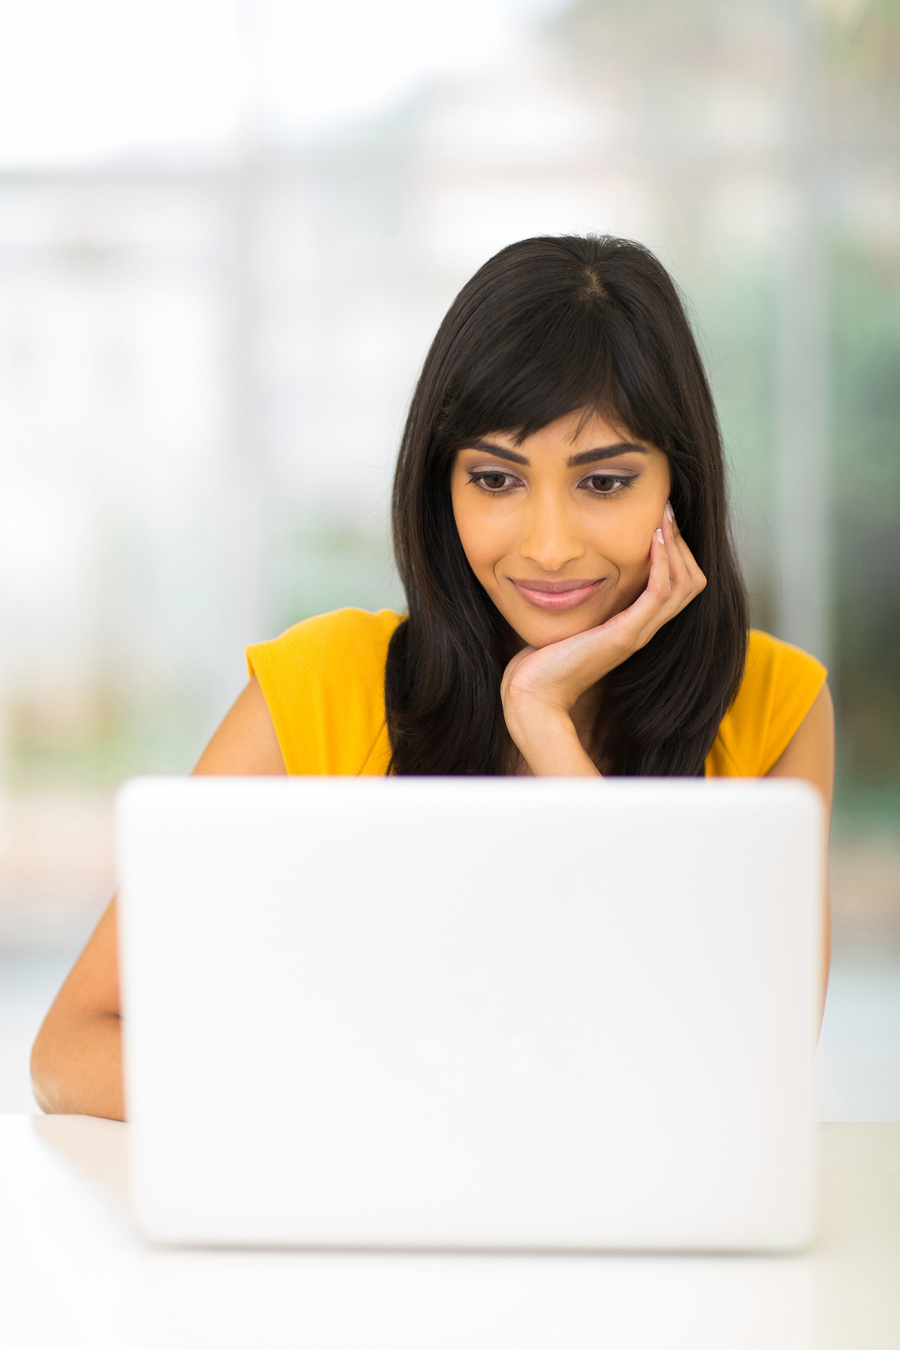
554 365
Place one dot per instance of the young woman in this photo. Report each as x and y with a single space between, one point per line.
574 603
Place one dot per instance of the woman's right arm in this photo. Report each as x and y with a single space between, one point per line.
542 685
76 1063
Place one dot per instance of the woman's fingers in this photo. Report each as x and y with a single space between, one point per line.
636 625
675 579
687 578
697 575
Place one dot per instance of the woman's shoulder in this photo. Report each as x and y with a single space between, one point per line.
330 639
779 686
775 666
323 682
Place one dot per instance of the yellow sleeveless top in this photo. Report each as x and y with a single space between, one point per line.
323 682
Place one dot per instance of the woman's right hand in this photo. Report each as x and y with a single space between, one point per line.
76 1063
541 685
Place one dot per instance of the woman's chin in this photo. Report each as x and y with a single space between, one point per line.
543 629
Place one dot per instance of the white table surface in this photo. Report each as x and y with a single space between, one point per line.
73 1273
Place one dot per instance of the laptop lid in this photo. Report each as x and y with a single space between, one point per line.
489 1013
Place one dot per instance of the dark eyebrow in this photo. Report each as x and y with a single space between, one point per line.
583 457
606 452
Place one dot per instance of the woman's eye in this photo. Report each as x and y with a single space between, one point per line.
493 482
605 485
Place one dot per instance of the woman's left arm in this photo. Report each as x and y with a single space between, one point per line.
810 755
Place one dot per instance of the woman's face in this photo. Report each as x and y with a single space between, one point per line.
557 528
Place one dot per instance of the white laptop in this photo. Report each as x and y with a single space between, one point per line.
471 1013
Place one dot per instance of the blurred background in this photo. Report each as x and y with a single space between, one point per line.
228 232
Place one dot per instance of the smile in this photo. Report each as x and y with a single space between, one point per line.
557 595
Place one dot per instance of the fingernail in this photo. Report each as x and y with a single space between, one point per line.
659 535
669 512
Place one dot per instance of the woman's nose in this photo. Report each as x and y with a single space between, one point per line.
550 537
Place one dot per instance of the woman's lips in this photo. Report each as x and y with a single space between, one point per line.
557 595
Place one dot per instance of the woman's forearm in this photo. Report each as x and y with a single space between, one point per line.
76 1067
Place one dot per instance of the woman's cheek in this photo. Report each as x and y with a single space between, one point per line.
635 575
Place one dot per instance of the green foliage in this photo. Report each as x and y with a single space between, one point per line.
865 472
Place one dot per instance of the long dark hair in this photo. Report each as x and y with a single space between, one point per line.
547 327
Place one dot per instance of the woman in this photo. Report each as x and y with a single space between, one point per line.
574 604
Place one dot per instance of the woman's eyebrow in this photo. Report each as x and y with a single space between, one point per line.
606 452
583 457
